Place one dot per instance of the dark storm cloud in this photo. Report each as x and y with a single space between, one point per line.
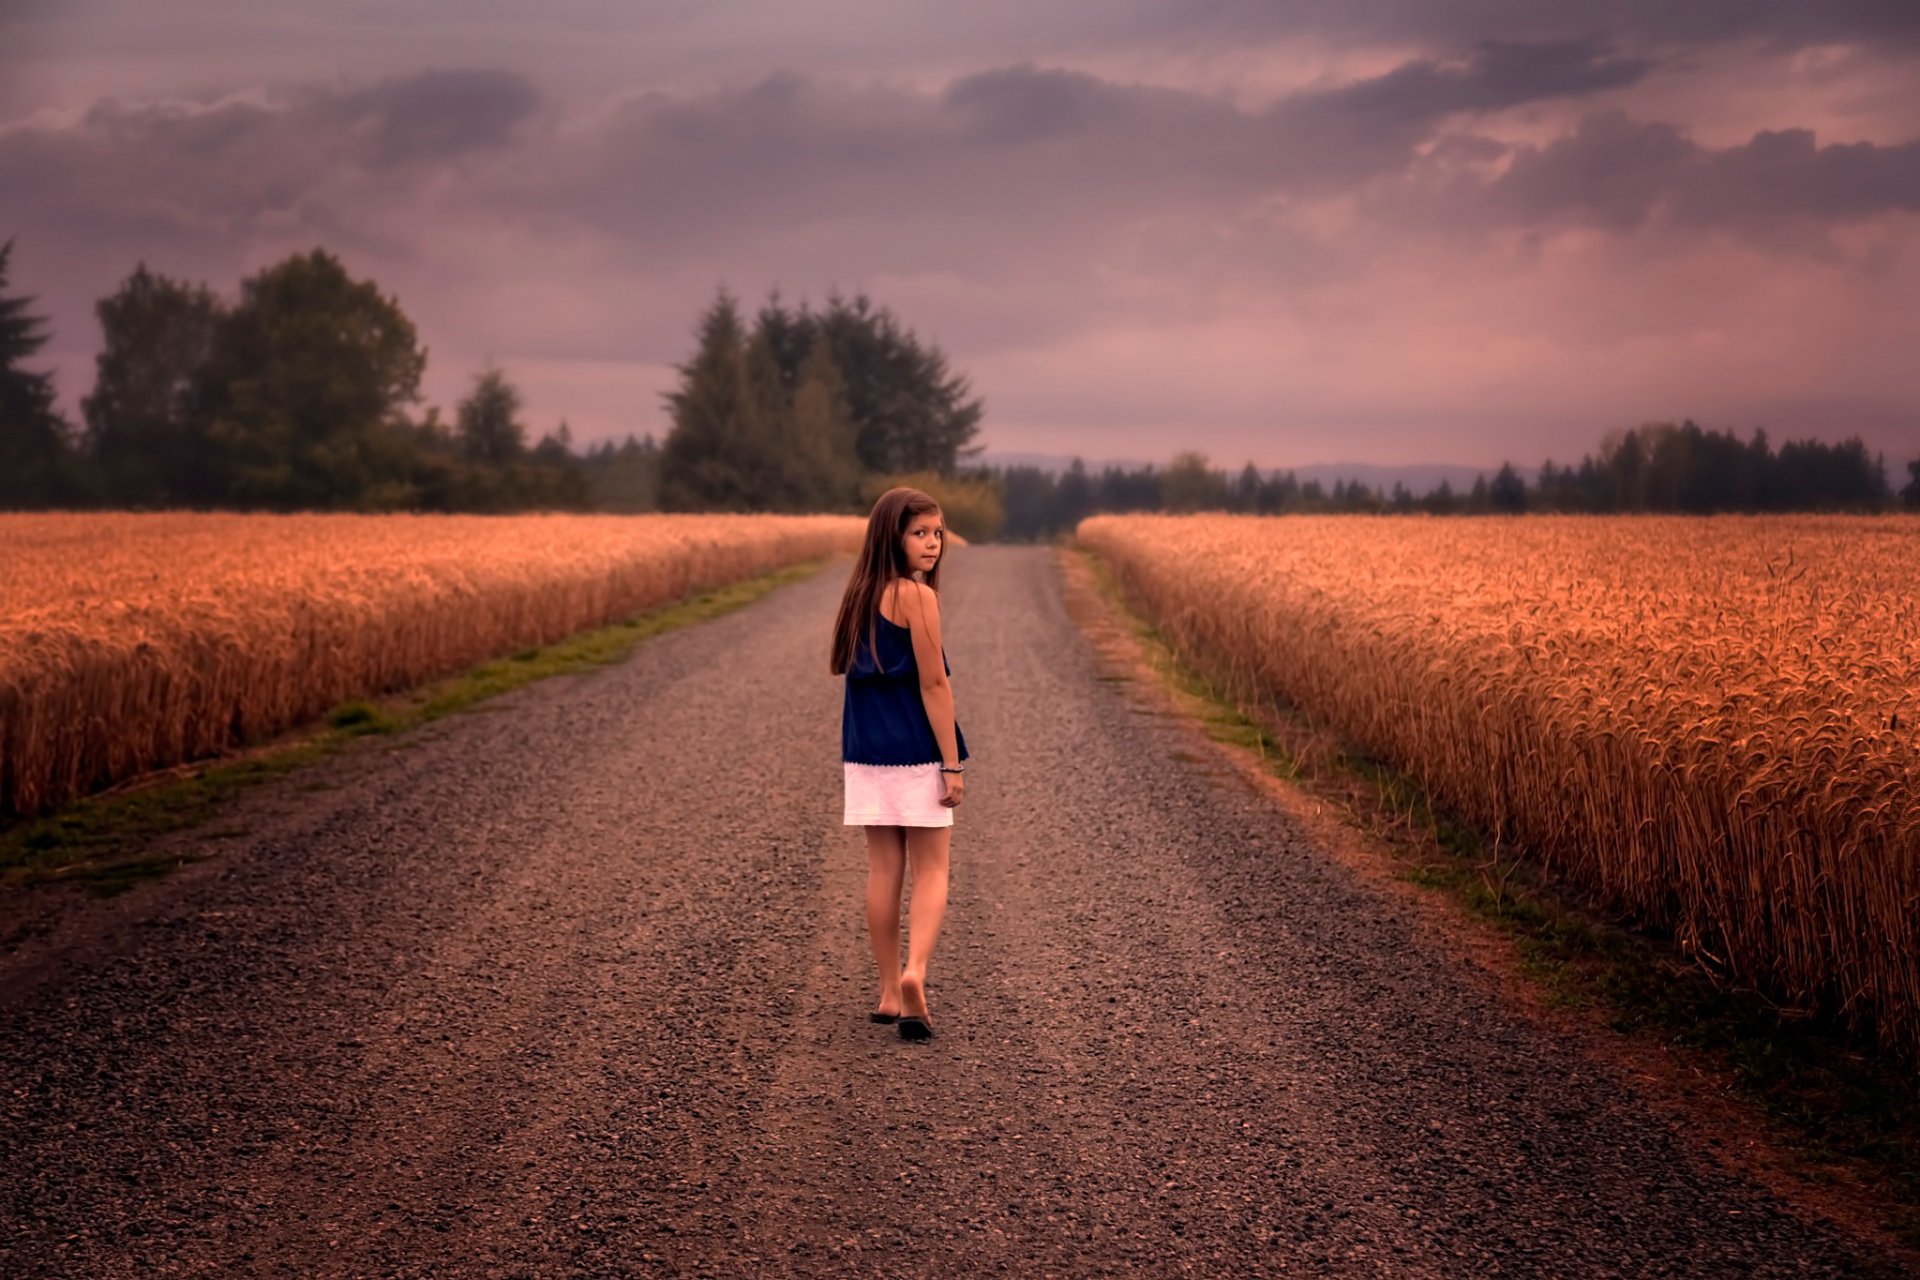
1371 126
1611 170
1024 104
1014 140
1636 23
990 148
435 115
1618 173
215 167
997 164
1498 74
1784 173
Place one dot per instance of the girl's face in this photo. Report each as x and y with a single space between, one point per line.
923 541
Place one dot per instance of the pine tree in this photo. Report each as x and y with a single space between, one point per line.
623 477
772 474
1477 496
730 417
701 467
488 421
910 411
823 456
790 333
36 457
1508 492
1246 490
1074 495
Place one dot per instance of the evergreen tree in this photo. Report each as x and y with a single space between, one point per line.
706 461
1246 490
303 392
910 411
791 336
1074 494
494 470
822 458
1546 492
1668 459
488 424
1760 472
1279 493
1508 492
1623 458
556 445
624 479
559 477
773 476
1027 499
37 462
433 476
1122 490
1910 495
143 430
736 444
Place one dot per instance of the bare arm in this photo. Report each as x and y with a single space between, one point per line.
936 691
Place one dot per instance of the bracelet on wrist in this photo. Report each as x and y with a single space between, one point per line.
958 768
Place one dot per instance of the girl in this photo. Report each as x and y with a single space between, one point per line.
900 746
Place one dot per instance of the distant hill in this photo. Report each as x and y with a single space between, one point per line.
1420 478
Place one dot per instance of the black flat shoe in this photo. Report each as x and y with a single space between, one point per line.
915 1027
883 1017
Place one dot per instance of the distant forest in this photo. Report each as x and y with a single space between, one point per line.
303 394
1659 467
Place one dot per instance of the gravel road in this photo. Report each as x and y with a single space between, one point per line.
577 984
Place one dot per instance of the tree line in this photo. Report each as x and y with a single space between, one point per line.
304 394
1659 467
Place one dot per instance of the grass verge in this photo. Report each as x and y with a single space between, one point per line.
99 841
1840 1113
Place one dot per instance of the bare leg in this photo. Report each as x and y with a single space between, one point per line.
927 850
886 873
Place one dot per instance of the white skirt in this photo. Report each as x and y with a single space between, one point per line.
896 795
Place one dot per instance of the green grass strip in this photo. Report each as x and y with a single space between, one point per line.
1832 1097
98 841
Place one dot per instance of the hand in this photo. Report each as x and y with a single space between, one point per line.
956 788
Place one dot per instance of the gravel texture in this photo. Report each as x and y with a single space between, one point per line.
577 984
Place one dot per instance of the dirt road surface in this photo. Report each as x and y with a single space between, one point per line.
578 984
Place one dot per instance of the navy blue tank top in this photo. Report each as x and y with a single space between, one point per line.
883 720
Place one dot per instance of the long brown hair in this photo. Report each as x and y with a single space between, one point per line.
881 560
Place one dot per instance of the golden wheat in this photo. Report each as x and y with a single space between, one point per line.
130 642
1709 722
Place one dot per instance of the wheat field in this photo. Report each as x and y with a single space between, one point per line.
1709 723
135 641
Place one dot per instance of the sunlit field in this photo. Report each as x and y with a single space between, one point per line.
1711 723
130 642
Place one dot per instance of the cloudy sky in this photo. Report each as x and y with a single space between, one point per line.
1291 231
